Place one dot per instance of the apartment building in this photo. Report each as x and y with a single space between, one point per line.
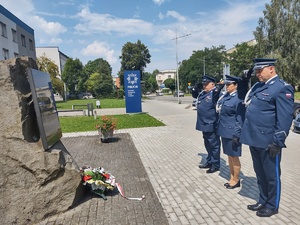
17 38
54 54
163 75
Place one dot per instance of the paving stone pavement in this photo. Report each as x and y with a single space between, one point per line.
170 156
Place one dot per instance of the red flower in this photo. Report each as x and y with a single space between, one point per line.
86 177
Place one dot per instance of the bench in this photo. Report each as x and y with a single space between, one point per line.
73 106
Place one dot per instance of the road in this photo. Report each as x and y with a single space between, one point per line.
187 99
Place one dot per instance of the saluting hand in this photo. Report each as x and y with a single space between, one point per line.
274 150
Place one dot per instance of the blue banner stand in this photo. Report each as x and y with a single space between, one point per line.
133 97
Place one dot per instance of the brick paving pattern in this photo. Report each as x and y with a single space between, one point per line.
170 156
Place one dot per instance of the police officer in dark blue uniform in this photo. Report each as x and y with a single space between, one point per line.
231 115
207 118
268 118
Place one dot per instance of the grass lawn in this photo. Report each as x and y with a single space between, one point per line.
104 103
88 123
297 95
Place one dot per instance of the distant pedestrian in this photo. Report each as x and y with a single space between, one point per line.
268 118
207 120
231 115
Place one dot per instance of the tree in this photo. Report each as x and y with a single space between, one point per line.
47 65
100 81
135 56
208 61
278 36
170 83
73 74
241 58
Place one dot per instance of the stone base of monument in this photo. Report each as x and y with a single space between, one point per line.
34 183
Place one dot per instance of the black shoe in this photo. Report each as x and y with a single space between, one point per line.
238 184
205 166
226 184
255 207
265 212
212 170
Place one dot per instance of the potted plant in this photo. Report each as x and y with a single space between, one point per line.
106 127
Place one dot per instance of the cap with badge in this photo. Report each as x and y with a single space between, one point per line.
231 79
207 79
261 63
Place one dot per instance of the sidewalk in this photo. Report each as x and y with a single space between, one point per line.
170 156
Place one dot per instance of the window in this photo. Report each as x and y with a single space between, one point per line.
5 53
23 40
169 76
30 44
16 55
3 30
14 35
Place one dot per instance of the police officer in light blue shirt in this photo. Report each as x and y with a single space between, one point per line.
207 118
269 114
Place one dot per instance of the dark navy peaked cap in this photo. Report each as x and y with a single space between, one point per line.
207 79
231 79
261 63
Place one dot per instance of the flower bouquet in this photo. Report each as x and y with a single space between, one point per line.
106 127
98 180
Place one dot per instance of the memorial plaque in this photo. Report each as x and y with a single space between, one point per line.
45 108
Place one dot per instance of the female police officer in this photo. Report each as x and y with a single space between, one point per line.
231 113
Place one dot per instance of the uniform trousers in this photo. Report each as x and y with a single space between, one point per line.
212 145
268 173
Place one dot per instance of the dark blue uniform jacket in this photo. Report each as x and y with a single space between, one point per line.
269 114
231 115
207 116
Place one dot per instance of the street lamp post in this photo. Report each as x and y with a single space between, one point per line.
203 64
177 76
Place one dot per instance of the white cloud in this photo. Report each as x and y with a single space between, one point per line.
95 23
158 2
161 16
100 50
176 15
50 28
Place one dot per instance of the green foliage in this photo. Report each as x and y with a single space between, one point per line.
135 56
241 58
278 37
47 65
100 81
170 83
73 74
208 61
99 65
88 123
104 103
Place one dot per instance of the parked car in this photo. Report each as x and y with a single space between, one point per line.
297 124
181 94
296 109
159 93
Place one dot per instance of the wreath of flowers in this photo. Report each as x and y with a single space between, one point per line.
97 179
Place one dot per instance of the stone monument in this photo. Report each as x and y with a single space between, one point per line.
34 183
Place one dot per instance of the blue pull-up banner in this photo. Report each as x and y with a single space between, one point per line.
133 97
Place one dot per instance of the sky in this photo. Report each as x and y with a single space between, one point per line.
91 29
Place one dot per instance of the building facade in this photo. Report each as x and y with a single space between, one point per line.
55 55
17 38
163 75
